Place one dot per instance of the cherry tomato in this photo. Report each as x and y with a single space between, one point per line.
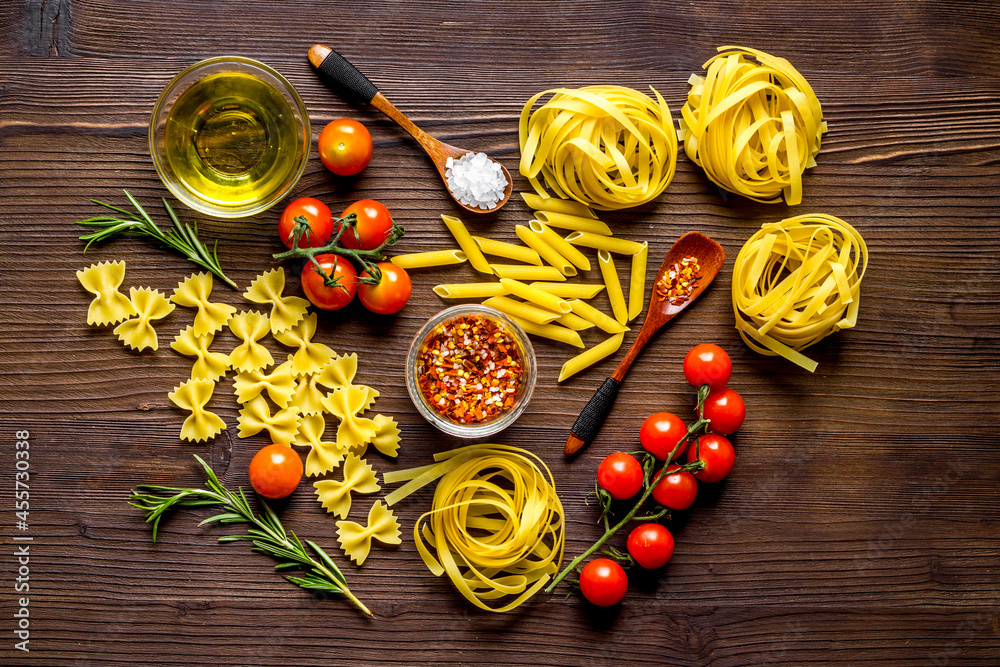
318 217
726 410
676 491
651 545
345 147
708 364
620 475
603 582
275 471
392 292
372 227
718 455
661 432
330 298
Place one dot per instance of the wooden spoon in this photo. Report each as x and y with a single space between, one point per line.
710 256
345 78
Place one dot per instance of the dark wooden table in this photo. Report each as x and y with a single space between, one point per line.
861 524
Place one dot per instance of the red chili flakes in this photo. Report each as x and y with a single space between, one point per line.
679 281
469 370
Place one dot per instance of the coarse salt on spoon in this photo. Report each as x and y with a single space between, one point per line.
345 78
710 257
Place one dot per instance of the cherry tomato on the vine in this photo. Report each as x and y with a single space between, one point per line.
726 410
620 474
661 432
318 217
718 455
316 290
372 227
392 292
651 545
603 582
676 491
275 471
345 147
707 364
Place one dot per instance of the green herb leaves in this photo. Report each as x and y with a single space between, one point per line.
181 238
265 533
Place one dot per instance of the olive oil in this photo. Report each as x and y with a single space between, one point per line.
232 139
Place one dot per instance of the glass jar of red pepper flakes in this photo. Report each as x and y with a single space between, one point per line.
470 371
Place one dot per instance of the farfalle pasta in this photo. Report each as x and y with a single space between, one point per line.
209 365
279 384
323 455
346 403
109 305
149 305
256 417
335 496
310 357
250 327
193 292
286 311
339 372
387 438
308 397
201 424
356 540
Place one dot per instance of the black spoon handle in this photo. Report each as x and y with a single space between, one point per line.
595 412
343 77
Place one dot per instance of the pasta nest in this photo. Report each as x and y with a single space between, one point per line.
495 525
753 124
608 147
797 281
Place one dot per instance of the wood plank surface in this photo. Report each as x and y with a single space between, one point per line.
861 524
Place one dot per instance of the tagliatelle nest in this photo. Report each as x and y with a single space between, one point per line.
495 526
753 123
608 147
797 281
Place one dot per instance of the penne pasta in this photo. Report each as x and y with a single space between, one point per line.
566 206
574 322
637 283
551 331
591 314
465 242
560 245
525 311
423 260
611 244
469 290
590 357
526 272
614 286
536 296
570 290
518 253
573 222
547 252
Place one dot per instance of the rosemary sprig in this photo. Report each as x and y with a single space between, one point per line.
265 533
180 238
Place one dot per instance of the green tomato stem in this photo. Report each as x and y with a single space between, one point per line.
698 425
365 258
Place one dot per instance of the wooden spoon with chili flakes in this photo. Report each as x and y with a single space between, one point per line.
671 296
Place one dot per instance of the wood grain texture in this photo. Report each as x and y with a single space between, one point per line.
861 525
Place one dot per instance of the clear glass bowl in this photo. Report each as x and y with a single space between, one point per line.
528 374
252 118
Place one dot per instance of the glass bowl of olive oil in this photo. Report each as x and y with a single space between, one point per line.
229 136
